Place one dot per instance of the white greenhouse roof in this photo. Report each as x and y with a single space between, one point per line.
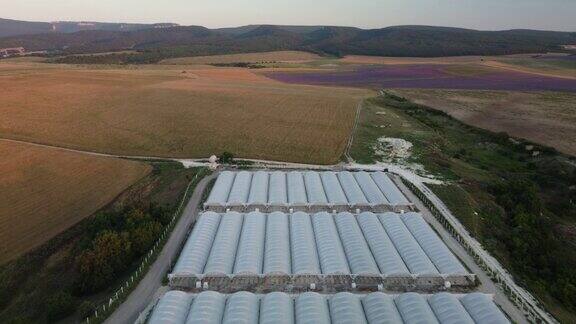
177 307
369 244
278 190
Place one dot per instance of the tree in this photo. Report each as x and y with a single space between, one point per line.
59 306
111 253
226 158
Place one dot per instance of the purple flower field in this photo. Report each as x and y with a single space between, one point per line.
427 76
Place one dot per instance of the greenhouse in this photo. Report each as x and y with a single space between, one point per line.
309 191
178 307
340 251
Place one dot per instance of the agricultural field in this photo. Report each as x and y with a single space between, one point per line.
430 76
280 56
561 65
45 191
174 111
547 118
553 65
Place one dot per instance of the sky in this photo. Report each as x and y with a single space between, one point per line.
476 14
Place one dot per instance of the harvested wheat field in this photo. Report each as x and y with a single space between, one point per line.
46 191
280 56
176 111
547 118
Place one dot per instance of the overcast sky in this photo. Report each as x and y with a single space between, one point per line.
477 14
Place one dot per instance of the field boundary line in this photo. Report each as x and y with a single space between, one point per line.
193 161
353 132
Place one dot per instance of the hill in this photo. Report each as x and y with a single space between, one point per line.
179 41
9 27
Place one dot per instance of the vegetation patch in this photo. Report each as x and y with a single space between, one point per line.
547 118
513 201
82 267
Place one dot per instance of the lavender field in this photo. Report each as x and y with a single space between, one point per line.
428 76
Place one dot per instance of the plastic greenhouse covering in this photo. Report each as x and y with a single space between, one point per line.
250 253
277 248
414 257
296 188
309 188
449 310
304 253
333 189
242 307
351 188
221 190
223 250
414 309
440 255
380 308
276 308
369 188
360 257
311 244
388 188
330 251
314 188
346 308
277 194
387 257
259 188
314 308
207 308
241 188
482 309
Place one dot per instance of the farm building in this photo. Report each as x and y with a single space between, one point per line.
210 307
299 251
306 191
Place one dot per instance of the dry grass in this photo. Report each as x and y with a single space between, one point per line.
360 59
547 118
160 111
45 191
280 56
533 67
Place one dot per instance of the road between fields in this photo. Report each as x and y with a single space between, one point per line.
144 293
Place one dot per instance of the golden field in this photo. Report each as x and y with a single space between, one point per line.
174 111
45 191
279 56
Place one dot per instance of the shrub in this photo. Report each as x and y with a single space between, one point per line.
86 309
59 306
226 158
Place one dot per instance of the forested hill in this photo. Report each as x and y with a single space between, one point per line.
9 27
424 41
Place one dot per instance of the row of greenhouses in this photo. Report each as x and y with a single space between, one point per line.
307 245
178 307
308 190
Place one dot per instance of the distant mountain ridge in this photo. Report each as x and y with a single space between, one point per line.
159 41
9 27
